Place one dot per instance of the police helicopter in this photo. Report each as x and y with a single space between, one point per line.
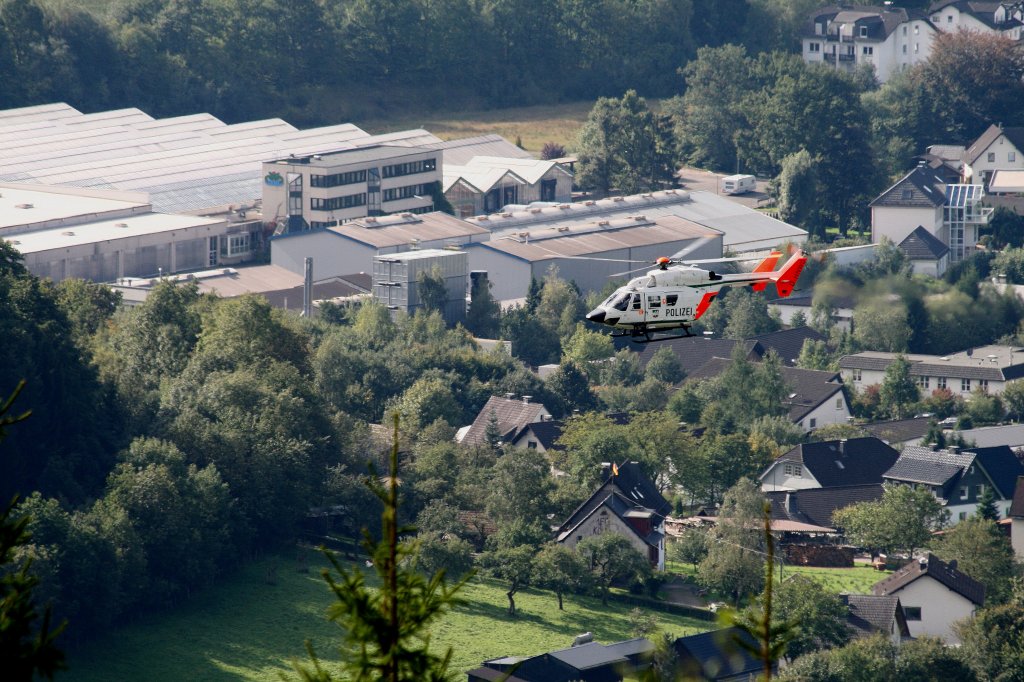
677 292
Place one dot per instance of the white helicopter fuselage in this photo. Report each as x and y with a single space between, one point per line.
674 297
660 299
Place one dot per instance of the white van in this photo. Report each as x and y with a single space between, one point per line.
737 184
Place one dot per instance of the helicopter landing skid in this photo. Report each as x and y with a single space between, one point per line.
646 336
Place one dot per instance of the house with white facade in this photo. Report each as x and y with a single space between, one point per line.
934 595
979 16
888 39
628 504
922 199
891 38
997 149
958 478
987 367
926 253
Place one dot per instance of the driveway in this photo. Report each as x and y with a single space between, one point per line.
697 179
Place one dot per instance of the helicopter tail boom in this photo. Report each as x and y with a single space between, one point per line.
785 279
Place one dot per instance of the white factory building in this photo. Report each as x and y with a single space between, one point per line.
107 235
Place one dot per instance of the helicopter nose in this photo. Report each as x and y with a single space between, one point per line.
596 315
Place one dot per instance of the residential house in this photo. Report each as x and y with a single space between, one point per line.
979 16
815 398
997 149
488 184
627 503
987 367
848 36
958 478
871 614
585 662
507 414
815 506
947 160
934 595
891 39
927 254
718 656
922 198
829 464
1016 516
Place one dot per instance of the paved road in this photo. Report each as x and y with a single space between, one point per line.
697 179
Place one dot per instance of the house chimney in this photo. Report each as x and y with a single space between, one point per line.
842 446
510 396
606 470
526 399
955 449
952 565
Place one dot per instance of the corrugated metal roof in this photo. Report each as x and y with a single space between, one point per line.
459 152
597 241
400 230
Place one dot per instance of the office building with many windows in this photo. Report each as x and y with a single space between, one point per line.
320 190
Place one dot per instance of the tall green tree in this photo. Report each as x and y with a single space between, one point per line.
384 629
735 561
899 392
902 521
561 570
613 558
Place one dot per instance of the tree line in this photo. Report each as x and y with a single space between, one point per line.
305 60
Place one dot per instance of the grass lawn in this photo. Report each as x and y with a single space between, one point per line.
246 629
858 579
535 125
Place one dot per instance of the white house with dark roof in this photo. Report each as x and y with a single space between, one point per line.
934 595
830 464
997 149
979 16
952 213
888 39
958 478
986 367
927 254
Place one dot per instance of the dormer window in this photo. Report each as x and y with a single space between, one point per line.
863 31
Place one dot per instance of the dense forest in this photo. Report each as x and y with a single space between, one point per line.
319 61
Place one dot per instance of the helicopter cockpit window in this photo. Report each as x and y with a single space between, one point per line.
636 301
670 300
621 302
654 301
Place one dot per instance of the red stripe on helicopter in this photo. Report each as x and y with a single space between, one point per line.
704 304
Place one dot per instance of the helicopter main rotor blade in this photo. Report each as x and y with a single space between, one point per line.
649 266
692 247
